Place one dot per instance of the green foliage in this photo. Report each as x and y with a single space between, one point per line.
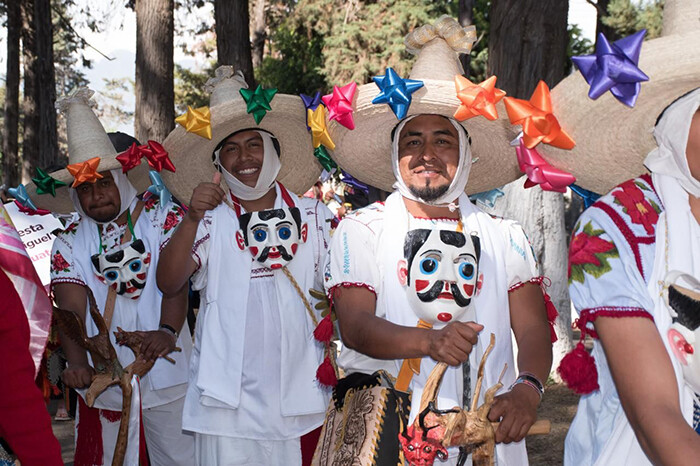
189 87
626 18
478 64
111 102
295 63
578 45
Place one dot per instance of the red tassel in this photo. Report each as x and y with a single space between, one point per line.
577 369
552 315
324 330
325 373
88 445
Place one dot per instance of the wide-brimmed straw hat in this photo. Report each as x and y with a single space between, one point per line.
613 139
365 152
227 113
87 139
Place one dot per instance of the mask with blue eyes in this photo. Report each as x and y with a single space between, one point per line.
272 236
124 268
440 272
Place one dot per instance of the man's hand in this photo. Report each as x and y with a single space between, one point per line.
453 343
517 412
78 375
156 344
206 196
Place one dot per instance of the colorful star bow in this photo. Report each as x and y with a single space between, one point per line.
395 91
30 211
319 130
477 99
538 171
45 184
339 104
353 182
311 103
589 197
539 124
614 68
85 171
157 188
324 158
157 156
21 196
258 101
131 157
196 121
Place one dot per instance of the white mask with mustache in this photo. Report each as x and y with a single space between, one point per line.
442 276
268 172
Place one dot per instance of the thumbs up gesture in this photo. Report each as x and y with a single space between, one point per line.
206 196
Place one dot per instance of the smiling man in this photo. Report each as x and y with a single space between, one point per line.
253 397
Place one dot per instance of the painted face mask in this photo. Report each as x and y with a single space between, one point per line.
683 299
272 236
124 268
440 271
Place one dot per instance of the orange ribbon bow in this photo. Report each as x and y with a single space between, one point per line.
539 124
477 99
85 171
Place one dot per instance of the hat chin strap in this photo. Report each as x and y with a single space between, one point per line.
459 182
268 172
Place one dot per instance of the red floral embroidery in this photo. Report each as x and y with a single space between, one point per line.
590 253
59 264
635 204
150 201
72 228
173 219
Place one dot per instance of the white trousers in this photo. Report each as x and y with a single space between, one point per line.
214 450
168 444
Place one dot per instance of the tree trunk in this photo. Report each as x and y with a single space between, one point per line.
30 106
466 18
600 27
155 96
233 36
528 41
10 149
45 88
258 27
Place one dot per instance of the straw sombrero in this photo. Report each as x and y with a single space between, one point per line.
365 152
226 114
613 139
87 139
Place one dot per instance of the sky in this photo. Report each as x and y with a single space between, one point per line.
118 42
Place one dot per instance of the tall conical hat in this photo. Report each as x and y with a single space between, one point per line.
613 139
87 139
365 152
192 150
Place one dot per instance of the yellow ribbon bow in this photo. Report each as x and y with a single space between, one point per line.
197 121
319 130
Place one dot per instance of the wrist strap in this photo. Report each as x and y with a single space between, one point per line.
167 328
530 380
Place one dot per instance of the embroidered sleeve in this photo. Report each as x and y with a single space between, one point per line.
200 252
351 259
521 265
63 268
603 277
169 218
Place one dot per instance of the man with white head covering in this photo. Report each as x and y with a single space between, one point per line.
112 250
253 249
431 160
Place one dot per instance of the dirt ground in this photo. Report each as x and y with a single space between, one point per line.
559 406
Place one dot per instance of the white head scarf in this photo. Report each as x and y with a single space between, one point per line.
127 193
268 172
459 182
671 134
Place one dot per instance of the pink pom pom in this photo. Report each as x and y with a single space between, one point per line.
325 373
552 315
578 371
324 330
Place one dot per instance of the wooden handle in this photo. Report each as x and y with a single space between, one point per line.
541 427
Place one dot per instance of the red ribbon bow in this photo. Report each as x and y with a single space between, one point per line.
538 171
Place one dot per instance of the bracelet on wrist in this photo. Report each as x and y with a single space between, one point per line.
168 329
531 381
